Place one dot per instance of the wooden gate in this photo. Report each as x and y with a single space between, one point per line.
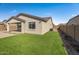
2 27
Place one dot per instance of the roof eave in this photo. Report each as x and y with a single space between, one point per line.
31 16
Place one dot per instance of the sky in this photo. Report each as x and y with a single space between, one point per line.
60 12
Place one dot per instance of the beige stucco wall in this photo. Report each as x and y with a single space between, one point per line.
8 27
38 25
23 27
13 21
46 26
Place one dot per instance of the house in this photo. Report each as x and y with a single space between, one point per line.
74 20
55 29
26 23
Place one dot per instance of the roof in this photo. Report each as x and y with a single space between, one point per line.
4 21
72 18
13 17
35 17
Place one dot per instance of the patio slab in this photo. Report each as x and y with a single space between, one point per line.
6 34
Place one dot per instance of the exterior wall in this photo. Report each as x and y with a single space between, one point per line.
11 26
46 26
23 27
55 28
13 21
38 25
7 27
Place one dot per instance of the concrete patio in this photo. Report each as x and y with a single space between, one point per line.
7 34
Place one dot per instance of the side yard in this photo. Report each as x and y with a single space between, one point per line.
29 44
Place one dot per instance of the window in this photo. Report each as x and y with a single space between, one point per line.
31 25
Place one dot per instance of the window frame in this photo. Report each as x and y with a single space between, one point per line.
31 25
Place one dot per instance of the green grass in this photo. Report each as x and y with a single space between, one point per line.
48 44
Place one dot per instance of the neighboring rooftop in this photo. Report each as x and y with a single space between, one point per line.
4 21
72 18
